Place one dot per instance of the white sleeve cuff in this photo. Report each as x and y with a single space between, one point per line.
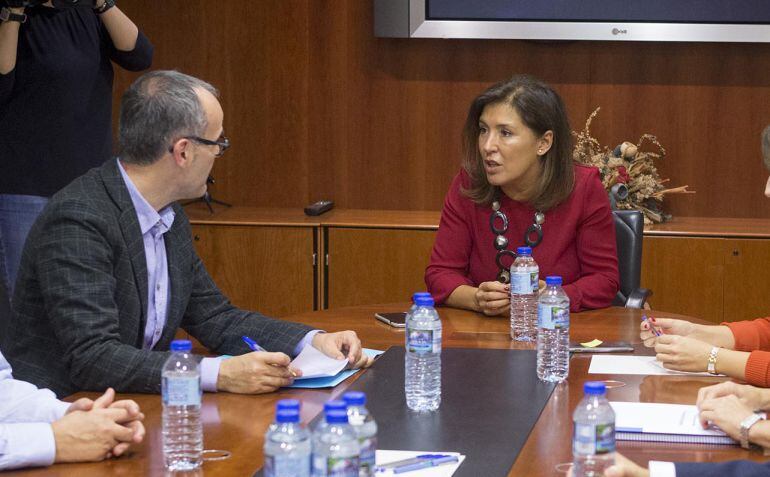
662 469
210 373
26 444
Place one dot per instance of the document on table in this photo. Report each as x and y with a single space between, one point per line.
327 380
644 365
658 422
383 457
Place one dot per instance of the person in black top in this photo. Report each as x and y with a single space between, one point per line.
55 105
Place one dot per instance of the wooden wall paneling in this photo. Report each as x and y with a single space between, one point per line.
317 107
265 269
685 275
376 265
746 279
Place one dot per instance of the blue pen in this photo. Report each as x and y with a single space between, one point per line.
252 344
654 330
423 461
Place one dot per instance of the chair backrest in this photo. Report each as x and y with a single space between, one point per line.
629 232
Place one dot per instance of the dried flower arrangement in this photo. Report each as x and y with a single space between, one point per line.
628 164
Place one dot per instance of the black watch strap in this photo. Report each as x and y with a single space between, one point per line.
105 6
6 15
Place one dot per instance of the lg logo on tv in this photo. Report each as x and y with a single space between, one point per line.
618 31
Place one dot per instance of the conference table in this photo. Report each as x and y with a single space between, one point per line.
236 423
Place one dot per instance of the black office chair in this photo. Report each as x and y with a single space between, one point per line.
629 228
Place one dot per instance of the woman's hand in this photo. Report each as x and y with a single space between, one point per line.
753 397
725 412
493 298
666 326
682 353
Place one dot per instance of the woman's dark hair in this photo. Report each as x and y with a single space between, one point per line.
541 110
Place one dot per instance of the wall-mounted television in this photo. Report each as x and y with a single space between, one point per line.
615 20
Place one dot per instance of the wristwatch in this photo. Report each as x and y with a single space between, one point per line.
712 363
746 425
105 6
6 15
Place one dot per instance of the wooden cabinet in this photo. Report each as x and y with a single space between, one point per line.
715 269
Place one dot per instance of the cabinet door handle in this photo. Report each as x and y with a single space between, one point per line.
315 257
196 238
736 252
327 259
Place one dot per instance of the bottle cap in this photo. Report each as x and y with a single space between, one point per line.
335 405
287 404
354 398
553 280
336 416
287 415
181 345
424 301
418 294
594 387
524 251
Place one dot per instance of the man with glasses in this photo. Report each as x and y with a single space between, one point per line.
109 271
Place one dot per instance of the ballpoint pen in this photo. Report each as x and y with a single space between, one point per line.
654 330
419 462
252 344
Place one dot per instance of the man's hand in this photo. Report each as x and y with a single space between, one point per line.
625 468
342 345
256 373
493 298
93 435
682 353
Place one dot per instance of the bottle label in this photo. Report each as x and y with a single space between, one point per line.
180 391
524 283
592 439
280 465
552 317
423 341
368 448
328 466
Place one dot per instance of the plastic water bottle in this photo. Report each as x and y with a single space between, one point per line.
182 427
366 429
414 302
287 447
335 447
593 440
553 332
331 405
423 357
524 287
290 404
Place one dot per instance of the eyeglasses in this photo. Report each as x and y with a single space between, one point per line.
223 143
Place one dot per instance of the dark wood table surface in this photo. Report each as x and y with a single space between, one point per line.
237 423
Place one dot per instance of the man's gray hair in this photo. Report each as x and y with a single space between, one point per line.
158 108
766 147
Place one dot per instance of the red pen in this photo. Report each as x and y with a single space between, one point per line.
654 330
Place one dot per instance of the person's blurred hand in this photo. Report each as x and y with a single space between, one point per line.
625 468
493 298
753 397
343 345
667 326
92 435
681 353
256 373
725 412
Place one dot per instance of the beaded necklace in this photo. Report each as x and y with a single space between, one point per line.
501 242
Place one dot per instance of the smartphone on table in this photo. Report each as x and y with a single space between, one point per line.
396 320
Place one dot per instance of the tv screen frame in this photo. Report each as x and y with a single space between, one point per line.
407 19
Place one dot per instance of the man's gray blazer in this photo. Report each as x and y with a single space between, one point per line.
80 304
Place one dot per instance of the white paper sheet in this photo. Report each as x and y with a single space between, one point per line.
644 365
314 364
660 418
385 456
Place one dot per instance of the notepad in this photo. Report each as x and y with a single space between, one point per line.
641 365
333 380
657 422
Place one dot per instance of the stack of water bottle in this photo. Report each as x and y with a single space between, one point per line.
543 318
343 443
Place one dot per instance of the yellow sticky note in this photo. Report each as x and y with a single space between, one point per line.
591 344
